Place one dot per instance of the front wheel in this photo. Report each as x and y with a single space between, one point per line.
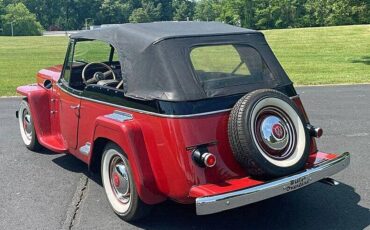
27 127
119 185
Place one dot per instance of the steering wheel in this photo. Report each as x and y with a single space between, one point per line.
98 76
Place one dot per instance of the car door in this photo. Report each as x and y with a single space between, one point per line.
69 103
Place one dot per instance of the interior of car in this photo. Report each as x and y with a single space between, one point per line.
95 73
93 62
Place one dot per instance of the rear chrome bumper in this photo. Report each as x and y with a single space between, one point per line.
218 203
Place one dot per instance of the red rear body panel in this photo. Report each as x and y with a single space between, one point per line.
246 182
157 146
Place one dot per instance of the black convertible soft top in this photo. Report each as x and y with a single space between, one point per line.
155 57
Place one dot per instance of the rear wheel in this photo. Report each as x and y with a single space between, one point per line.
27 127
119 185
268 135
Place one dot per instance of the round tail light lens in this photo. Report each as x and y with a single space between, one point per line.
209 160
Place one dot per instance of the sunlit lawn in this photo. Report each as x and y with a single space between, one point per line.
331 55
22 57
310 56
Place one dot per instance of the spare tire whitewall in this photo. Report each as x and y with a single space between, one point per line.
267 134
297 137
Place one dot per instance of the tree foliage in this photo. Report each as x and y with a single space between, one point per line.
148 12
183 10
256 14
23 21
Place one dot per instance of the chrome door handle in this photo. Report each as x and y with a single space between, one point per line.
75 106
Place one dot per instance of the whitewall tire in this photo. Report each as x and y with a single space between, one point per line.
268 134
119 185
27 127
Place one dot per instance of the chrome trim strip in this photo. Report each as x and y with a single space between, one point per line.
85 150
119 116
219 203
145 112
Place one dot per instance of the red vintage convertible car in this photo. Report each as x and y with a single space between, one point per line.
194 112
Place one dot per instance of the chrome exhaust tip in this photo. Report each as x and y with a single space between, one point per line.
330 181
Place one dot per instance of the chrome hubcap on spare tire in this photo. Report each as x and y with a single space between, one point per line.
275 133
119 179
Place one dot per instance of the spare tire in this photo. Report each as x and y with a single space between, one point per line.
268 134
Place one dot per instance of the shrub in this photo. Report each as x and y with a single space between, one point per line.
24 22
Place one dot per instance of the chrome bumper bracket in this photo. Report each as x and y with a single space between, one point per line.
218 203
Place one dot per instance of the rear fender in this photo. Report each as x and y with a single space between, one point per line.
129 137
39 101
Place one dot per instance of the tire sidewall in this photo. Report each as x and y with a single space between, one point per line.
260 159
31 143
110 151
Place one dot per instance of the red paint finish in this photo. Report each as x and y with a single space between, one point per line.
116 180
246 182
299 104
155 146
69 108
224 187
39 100
42 105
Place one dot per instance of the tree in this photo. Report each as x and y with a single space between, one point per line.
361 12
114 11
147 13
206 10
139 15
2 12
183 10
166 9
255 14
24 22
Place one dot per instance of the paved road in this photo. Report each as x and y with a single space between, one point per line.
55 191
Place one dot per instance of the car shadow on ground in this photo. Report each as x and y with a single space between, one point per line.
71 163
317 206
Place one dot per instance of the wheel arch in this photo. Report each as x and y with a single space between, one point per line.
97 153
129 138
38 99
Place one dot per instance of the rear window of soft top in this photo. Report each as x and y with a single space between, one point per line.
223 66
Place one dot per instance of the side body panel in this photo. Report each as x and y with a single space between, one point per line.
159 147
39 101
43 105
69 108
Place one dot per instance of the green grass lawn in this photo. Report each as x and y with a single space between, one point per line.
326 55
22 57
311 56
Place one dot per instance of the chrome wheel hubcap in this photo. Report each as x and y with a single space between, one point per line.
275 132
119 179
27 123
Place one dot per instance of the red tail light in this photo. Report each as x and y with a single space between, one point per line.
209 160
203 158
